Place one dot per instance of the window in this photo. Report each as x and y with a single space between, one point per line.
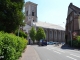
27 13
51 36
32 13
59 35
33 20
55 34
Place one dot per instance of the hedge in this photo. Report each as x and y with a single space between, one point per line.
11 46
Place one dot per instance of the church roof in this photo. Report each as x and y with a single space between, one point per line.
48 25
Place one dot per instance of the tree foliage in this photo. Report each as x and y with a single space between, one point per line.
33 34
11 15
21 34
40 34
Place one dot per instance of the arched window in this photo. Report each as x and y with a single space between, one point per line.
55 34
59 35
50 33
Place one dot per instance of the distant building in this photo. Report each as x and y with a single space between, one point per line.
72 22
53 32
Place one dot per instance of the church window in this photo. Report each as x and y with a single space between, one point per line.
27 13
32 13
51 36
33 20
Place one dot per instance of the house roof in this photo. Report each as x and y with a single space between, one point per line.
74 8
48 25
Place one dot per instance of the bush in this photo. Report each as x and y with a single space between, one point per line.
21 34
11 46
75 42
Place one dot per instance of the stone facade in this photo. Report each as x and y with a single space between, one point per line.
53 32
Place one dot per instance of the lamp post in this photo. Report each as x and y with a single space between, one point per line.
35 25
71 37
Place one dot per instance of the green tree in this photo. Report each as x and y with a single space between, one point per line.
11 15
40 34
33 34
21 34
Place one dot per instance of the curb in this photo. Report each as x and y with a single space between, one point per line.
37 56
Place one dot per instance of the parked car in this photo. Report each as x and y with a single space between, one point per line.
50 43
42 42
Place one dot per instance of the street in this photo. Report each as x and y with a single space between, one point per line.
51 52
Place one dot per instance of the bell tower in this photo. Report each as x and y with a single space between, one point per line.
30 12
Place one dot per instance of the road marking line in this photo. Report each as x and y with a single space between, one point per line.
75 55
59 50
71 58
56 52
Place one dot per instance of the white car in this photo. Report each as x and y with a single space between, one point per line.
50 43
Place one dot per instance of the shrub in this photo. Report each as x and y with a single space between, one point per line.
11 46
78 39
75 42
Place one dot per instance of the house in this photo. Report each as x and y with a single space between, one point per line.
72 22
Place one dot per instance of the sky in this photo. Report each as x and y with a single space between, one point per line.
53 11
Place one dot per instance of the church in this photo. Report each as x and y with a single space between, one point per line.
53 32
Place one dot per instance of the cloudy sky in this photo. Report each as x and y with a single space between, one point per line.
54 11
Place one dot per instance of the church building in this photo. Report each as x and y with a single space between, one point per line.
53 32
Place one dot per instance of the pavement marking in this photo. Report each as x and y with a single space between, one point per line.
56 52
59 50
53 49
71 58
75 55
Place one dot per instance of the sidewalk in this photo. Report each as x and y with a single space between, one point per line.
29 54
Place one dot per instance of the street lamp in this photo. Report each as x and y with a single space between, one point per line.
35 25
71 37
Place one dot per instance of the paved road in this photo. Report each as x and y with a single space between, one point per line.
51 52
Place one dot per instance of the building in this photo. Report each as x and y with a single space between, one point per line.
72 22
53 32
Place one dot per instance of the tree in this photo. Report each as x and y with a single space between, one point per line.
11 15
33 34
40 34
21 34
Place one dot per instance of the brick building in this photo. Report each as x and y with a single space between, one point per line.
53 32
72 22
